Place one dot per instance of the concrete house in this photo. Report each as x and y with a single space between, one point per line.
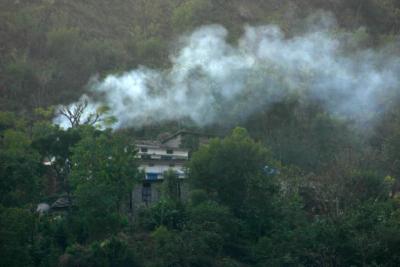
157 157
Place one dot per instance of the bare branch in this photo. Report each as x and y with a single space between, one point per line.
78 114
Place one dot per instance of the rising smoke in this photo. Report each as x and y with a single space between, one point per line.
213 81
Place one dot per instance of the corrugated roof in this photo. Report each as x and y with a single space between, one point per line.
61 203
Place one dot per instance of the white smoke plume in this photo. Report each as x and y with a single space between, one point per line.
213 81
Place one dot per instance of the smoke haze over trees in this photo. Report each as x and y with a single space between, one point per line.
208 75
303 96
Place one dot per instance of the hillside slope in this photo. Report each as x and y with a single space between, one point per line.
50 48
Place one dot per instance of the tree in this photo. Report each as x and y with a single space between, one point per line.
84 113
20 165
391 154
166 212
191 14
227 168
303 134
171 186
114 251
16 231
104 171
21 84
54 145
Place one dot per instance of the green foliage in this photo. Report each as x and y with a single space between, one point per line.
333 201
50 49
19 170
304 136
210 230
51 238
168 247
59 46
114 251
151 52
7 120
105 55
171 186
16 230
166 213
226 168
245 209
215 221
191 14
363 186
62 42
103 173
20 83
197 196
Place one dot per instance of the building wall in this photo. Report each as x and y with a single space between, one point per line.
154 161
138 194
161 168
162 151
155 195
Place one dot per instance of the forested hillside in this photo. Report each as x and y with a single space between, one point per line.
50 49
291 182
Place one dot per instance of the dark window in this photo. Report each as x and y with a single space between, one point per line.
146 193
172 165
146 157
143 149
166 157
170 151
151 176
151 164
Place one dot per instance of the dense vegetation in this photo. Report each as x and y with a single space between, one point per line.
50 48
299 187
